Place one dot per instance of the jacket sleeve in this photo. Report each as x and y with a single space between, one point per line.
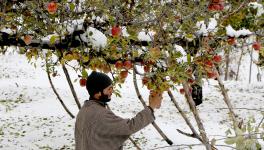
110 124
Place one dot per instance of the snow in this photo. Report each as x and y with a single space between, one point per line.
233 33
7 30
184 54
146 36
38 121
97 38
259 7
205 29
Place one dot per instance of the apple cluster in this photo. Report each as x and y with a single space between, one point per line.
216 5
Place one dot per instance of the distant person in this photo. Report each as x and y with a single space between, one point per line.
98 128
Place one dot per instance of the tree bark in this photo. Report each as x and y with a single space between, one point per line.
196 116
227 100
250 68
227 64
71 86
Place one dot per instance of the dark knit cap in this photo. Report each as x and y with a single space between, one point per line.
97 82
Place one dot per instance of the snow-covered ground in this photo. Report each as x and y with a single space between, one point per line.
31 116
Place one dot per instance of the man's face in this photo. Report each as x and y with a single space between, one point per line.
108 91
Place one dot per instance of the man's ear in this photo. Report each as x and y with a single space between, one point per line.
97 95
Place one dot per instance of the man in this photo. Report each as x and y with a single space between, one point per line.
98 128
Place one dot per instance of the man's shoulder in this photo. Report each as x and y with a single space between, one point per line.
92 107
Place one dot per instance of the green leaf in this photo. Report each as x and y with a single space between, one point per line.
90 33
53 39
189 58
72 6
84 73
230 141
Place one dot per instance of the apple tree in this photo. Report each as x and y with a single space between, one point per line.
176 42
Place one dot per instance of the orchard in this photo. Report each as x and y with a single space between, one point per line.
175 43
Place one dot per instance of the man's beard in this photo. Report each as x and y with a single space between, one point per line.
104 98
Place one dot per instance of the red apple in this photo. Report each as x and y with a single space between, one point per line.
182 91
216 7
82 82
127 64
146 68
231 41
209 63
211 75
189 71
256 46
217 58
191 81
116 31
27 39
211 7
119 64
123 74
52 7
145 80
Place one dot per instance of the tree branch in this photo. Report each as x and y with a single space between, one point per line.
56 93
71 86
196 116
144 104
194 134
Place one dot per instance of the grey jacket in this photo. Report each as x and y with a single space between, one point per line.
98 128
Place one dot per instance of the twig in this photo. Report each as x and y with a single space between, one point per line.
187 134
195 134
239 62
240 7
261 121
190 145
71 86
244 135
56 93
144 104
250 68
244 108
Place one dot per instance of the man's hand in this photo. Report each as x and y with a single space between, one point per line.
155 98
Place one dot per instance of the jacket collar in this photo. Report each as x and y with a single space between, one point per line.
98 102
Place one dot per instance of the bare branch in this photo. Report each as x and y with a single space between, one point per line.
71 86
56 93
194 134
